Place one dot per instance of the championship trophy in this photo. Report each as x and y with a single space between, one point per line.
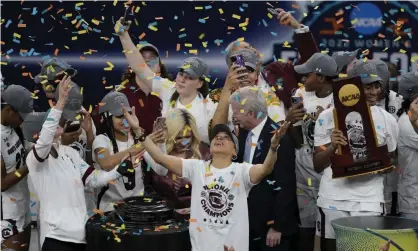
353 118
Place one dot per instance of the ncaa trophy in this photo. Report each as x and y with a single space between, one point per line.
352 117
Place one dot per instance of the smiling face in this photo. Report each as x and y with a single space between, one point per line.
241 117
120 124
186 85
372 92
223 144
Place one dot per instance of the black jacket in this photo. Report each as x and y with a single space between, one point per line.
270 201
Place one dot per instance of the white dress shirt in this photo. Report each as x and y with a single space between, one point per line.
256 131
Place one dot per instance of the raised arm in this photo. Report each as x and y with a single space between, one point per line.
133 56
108 161
158 169
231 84
172 163
43 145
260 171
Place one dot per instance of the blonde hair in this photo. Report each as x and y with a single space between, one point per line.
180 120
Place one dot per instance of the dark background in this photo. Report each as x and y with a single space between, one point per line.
47 31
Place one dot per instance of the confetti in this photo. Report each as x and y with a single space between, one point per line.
18 174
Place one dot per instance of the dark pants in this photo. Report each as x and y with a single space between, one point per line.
287 243
56 245
307 239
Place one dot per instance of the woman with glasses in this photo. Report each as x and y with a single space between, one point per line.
116 142
182 141
16 104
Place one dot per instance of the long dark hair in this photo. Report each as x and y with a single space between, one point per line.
405 107
106 127
204 90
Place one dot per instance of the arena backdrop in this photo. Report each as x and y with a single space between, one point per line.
81 32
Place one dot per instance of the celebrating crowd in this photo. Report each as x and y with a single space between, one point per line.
269 144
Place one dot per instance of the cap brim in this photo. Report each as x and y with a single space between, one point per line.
253 66
23 115
302 69
190 72
370 79
119 112
70 114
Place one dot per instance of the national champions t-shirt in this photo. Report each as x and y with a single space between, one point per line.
219 211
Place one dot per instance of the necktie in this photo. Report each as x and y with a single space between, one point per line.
248 143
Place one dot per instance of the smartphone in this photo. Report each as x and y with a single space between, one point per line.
160 123
239 60
296 100
72 126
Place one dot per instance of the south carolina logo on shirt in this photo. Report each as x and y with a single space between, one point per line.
309 129
217 202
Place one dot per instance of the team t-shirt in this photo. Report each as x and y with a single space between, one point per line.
201 108
408 166
362 193
306 176
15 201
395 103
218 211
117 191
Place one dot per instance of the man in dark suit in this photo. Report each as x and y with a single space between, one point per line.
272 204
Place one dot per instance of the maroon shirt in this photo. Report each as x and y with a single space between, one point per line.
147 107
276 70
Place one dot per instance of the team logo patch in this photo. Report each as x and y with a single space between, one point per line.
216 200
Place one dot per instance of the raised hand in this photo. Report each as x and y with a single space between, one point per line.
121 26
86 124
159 136
296 113
285 18
278 134
234 78
64 90
132 119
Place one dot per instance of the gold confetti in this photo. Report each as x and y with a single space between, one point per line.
402 51
221 11
236 16
18 174
309 181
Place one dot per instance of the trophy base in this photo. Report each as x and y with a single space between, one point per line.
357 169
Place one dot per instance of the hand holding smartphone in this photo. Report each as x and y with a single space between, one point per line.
159 124
296 100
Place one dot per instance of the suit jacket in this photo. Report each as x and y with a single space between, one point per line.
307 47
277 201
